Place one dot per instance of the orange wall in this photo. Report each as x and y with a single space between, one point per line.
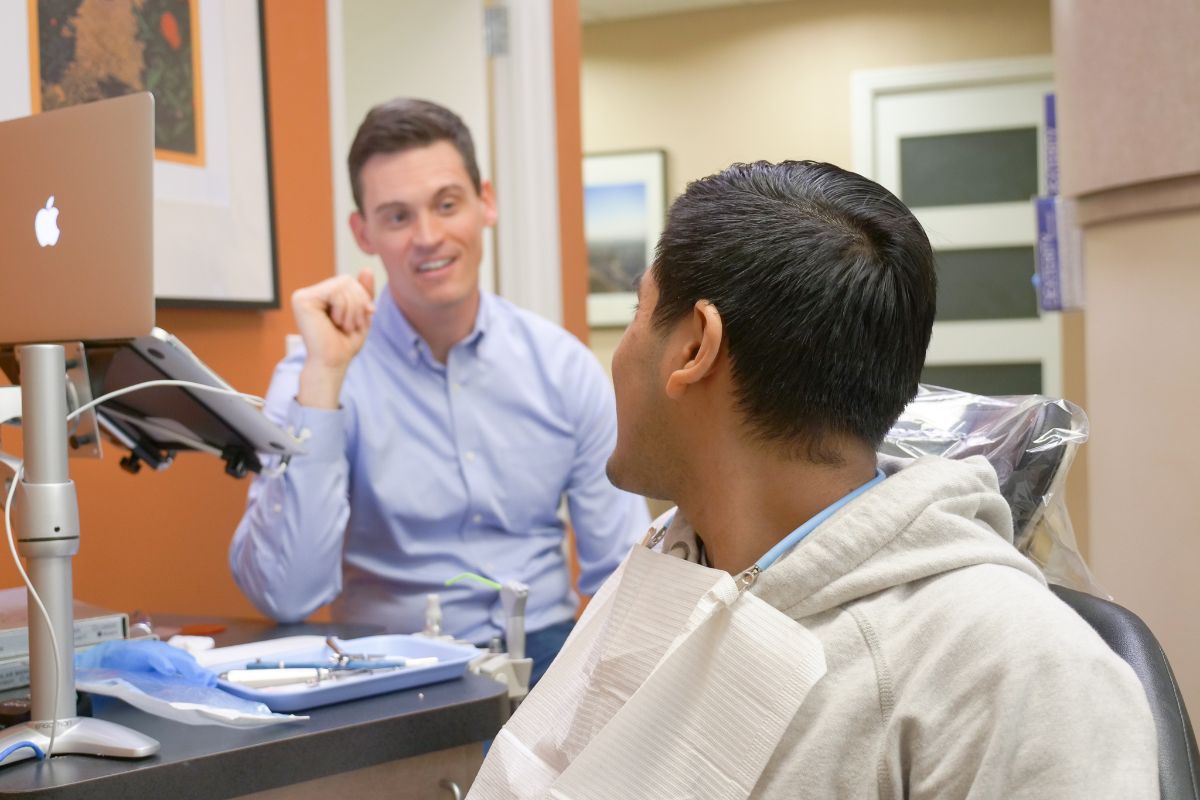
567 65
158 541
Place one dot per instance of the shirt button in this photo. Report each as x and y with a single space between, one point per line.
478 518
277 508
469 455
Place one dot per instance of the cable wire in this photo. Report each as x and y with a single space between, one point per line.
12 548
8 751
104 398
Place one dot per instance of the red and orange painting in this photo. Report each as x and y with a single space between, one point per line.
84 50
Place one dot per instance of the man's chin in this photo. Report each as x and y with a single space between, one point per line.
622 476
614 472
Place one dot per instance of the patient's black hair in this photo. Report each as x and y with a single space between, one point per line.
826 287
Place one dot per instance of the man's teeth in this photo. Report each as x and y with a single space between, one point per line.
429 266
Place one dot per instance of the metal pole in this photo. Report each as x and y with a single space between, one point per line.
48 535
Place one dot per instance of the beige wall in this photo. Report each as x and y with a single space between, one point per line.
771 81
1144 380
1129 110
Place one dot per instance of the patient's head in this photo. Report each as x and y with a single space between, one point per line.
403 124
820 286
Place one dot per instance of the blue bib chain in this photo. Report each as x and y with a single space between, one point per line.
747 578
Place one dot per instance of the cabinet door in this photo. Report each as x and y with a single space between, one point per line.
425 777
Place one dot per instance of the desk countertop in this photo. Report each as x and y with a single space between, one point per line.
210 761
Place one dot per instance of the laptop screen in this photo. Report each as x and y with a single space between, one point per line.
76 223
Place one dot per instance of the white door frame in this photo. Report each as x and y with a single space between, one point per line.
525 136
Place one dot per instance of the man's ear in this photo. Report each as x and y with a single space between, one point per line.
701 346
487 193
358 225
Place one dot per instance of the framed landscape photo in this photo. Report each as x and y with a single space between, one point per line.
624 210
203 60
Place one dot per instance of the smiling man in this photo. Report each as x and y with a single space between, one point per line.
443 425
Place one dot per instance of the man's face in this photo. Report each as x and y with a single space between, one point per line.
422 216
640 462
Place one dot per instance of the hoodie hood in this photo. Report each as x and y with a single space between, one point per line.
931 515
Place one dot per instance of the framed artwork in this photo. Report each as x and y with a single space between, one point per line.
204 62
624 210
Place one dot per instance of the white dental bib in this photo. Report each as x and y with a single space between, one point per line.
674 685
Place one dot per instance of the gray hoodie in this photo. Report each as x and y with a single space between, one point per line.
953 672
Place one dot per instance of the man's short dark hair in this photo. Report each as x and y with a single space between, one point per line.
826 287
405 123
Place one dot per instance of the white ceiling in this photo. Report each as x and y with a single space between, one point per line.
608 10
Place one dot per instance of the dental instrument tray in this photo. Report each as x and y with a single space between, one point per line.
307 672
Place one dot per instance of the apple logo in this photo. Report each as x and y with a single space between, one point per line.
45 224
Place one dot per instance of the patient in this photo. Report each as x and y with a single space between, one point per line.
813 620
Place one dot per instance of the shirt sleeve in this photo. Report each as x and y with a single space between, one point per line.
607 520
286 555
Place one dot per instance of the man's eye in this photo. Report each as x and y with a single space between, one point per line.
448 206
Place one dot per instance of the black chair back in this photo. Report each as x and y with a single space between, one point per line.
1128 636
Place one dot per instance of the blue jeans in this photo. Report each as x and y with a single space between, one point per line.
542 646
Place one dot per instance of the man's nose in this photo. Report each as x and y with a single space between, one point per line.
429 230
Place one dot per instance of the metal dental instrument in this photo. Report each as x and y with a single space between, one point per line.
374 660
379 664
261 678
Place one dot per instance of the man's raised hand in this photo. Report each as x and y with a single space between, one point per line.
334 317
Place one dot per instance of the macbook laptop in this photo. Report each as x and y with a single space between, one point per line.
76 223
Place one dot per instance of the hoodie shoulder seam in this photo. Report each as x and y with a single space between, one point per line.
883 674
883 686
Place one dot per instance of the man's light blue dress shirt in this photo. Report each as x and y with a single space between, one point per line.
429 470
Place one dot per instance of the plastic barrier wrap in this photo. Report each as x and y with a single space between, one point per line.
1030 441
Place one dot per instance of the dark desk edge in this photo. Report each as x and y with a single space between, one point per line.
206 762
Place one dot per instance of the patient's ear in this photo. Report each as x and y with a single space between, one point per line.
701 344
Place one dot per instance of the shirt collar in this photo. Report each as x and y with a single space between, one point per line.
399 332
